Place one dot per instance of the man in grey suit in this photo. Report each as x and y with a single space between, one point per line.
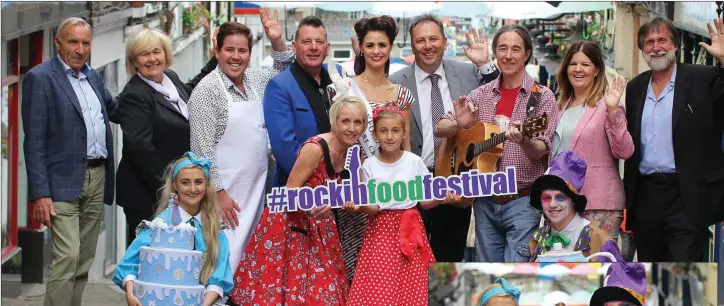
436 84
69 155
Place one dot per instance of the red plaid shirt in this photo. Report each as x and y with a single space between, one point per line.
486 97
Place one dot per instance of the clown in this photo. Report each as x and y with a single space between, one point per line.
625 285
557 194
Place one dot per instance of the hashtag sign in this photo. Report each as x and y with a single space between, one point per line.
277 200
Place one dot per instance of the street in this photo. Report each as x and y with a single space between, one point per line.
103 293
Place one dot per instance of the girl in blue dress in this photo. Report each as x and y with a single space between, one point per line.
189 186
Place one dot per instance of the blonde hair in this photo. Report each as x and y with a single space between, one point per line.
493 286
71 22
143 41
350 101
210 218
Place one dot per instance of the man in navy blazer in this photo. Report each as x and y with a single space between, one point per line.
69 154
296 103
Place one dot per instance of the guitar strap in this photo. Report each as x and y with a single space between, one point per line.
535 95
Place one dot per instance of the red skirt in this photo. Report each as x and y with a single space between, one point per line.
393 264
292 260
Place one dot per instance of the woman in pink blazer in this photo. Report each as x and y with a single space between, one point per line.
592 123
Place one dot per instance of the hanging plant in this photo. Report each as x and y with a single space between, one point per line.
443 273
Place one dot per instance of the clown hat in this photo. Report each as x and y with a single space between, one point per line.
565 173
625 282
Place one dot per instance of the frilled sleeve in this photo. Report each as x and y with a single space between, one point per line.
221 281
127 269
619 139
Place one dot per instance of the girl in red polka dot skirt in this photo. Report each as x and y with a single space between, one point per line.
393 262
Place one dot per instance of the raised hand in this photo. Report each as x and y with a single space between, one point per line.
465 113
716 49
271 24
478 50
213 40
614 93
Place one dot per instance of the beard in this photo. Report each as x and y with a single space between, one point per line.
658 64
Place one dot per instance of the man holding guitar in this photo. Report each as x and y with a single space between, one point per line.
504 224
436 83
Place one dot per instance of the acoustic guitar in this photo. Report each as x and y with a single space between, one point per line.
479 147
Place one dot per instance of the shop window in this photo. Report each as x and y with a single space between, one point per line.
341 55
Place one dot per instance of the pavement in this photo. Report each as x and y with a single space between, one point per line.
99 293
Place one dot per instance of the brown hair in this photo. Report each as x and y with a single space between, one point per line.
233 28
593 52
383 24
389 114
311 21
655 25
427 17
522 32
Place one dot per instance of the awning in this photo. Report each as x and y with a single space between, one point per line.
581 7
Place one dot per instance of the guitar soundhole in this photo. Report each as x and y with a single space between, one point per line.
469 154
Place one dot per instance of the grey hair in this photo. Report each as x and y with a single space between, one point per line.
72 21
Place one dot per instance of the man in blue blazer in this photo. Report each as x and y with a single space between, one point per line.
69 154
296 103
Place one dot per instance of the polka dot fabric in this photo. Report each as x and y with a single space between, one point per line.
292 259
385 276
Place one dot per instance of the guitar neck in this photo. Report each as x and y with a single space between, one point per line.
489 143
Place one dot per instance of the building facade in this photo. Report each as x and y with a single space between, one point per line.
28 30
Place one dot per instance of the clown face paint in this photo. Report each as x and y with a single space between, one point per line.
557 207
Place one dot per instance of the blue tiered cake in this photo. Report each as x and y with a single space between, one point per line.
558 254
169 269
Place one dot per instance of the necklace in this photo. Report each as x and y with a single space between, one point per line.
369 87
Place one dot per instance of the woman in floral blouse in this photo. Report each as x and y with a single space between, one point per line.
227 125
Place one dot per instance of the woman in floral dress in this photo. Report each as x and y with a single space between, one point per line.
295 258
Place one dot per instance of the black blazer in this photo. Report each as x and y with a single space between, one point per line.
154 135
698 126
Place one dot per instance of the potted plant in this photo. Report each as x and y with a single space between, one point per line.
187 20
201 15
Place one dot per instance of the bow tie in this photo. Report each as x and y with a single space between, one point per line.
557 237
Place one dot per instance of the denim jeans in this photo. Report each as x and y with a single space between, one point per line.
502 232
